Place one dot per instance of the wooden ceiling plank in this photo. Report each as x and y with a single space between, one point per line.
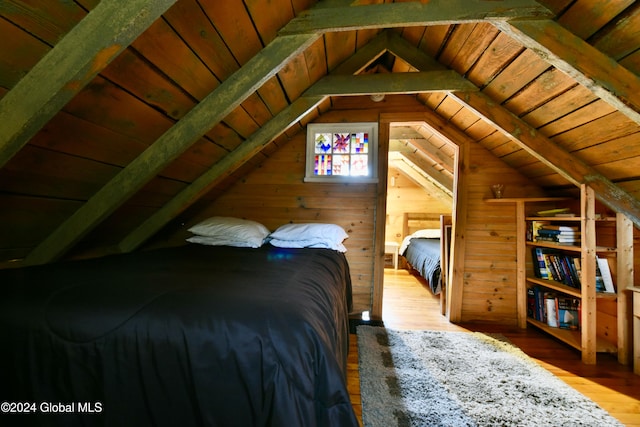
500 52
69 66
391 83
601 74
409 14
552 155
585 18
215 107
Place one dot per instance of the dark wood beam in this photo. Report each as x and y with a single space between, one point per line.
67 68
410 14
392 83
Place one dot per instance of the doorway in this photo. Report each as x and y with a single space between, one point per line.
421 174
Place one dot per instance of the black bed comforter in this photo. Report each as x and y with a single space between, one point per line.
195 335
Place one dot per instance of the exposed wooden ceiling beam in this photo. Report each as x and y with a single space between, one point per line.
75 60
411 54
410 14
430 150
392 83
552 155
602 75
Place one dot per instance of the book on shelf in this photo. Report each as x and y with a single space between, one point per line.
531 303
561 234
553 212
543 231
536 303
551 309
560 240
568 313
540 269
604 272
565 228
535 227
555 310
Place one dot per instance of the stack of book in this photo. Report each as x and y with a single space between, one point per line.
561 234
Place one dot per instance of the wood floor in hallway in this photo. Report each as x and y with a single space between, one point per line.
408 304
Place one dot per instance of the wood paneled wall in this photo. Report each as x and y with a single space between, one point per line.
488 275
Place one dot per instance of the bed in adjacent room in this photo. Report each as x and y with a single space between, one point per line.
422 252
423 246
202 334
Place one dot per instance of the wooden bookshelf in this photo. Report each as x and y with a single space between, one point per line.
619 249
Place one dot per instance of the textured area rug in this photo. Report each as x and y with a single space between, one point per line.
429 378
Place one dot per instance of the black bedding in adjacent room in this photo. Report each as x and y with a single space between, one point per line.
423 254
194 335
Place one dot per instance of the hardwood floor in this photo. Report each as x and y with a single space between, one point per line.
407 304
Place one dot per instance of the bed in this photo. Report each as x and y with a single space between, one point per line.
423 247
190 335
423 255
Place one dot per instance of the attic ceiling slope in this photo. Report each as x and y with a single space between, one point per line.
67 68
217 105
274 56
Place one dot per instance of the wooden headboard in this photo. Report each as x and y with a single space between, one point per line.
414 221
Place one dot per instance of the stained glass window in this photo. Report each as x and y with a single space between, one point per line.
341 151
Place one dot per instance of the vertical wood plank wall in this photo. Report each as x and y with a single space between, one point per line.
488 273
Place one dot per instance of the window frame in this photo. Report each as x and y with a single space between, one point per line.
369 127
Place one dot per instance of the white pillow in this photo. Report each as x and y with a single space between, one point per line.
311 243
309 235
431 233
242 232
220 241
